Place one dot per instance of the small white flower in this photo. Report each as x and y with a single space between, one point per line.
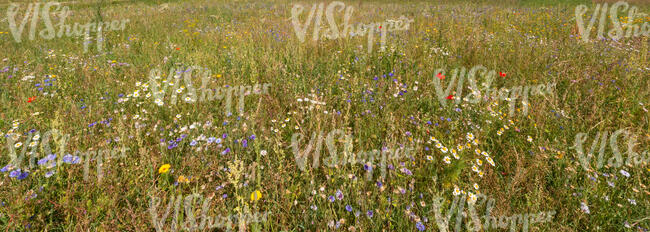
584 207
624 173
263 152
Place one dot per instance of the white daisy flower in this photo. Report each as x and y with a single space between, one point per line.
447 159
456 191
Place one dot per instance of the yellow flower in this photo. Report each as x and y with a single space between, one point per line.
183 179
256 196
164 169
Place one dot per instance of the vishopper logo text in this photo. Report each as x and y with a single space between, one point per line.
227 223
460 75
474 221
617 32
35 11
617 160
348 29
189 92
52 159
366 158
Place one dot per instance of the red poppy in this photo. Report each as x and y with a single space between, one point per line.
178 48
450 97
502 74
31 99
440 76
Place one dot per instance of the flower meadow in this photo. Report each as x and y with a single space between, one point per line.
214 115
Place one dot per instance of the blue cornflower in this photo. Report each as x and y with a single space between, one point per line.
40 89
38 84
225 123
120 95
348 208
42 161
379 184
23 175
331 198
420 226
369 213
6 168
193 143
51 157
48 174
69 159
225 151
244 143
252 137
14 173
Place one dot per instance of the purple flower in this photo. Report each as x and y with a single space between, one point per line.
193 143
68 158
252 137
369 213
406 171
224 135
211 140
48 174
51 157
218 141
42 161
23 175
225 151
348 208
420 226
379 184
224 196
6 168
244 143
14 173
339 195
331 198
